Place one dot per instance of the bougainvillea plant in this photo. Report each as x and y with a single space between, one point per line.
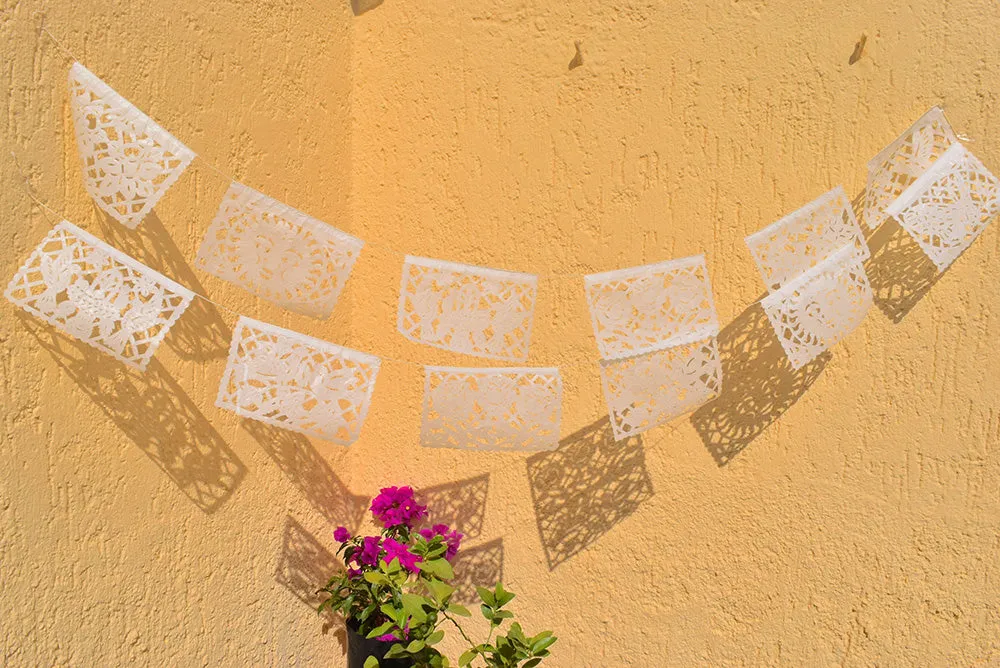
396 588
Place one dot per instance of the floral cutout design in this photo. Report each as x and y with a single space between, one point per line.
949 206
84 287
639 309
802 239
512 409
900 163
278 253
129 161
296 382
651 389
467 309
819 308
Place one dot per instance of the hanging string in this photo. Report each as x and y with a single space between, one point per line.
382 248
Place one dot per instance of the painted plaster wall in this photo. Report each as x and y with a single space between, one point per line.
847 513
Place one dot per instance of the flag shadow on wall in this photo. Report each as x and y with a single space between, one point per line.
586 486
460 504
305 468
481 565
200 334
758 385
154 412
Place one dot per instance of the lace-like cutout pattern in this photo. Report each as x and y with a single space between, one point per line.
802 239
491 409
84 287
129 161
639 309
296 382
947 208
278 253
811 314
900 163
651 389
466 309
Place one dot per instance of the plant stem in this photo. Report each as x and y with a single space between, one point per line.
460 629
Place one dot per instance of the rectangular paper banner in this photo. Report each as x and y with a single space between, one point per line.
129 161
467 309
84 287
513 409
296 382
278 253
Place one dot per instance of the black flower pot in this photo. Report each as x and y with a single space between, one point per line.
360 648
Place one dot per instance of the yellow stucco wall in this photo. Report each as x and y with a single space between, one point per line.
844 514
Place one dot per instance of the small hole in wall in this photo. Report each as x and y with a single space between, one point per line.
578 58
859 49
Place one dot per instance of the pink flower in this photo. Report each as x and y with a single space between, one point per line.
396 550
341 535
395 506
370 548
451 538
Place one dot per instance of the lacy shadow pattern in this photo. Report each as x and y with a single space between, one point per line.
949 206
512 409
581 490
152 410
900 163
481 566
129 161
760 385
297 382
460 504
899 271
311 474
467 309
277 252
304 565
84 287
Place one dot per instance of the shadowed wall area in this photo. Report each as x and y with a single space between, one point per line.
841 514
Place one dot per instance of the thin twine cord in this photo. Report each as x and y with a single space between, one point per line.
27 187
368 244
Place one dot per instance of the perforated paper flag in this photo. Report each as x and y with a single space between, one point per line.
491 409
466 309
949 206
278 253
655 387
900 163
79 284
296 382
811 313
129 161
643 308
802 239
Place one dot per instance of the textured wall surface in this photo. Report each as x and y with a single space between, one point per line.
846 513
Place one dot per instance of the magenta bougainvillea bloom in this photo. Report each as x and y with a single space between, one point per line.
395 506
370 549
341 534
396 550
451 538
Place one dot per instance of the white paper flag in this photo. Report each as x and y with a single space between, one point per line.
900 163
655 387
811 313
296 382
129 161
804 238
643 308
948 206
278 253
510 409
467 309
79 284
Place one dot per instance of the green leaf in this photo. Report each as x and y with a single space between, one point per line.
413 605
440 590
381 630
397 650
467 657
487 611
376 578
371 662
503 597
460 610
531 663
486 595
435 637
415 646
438 567
543 643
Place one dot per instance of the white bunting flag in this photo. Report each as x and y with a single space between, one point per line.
804 238
79 284
296 382
655 327
512 409
129 161
948 206
813 312
278 253
900 163
467 309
